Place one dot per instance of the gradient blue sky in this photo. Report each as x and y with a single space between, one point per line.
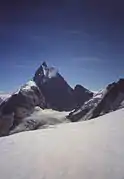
83 39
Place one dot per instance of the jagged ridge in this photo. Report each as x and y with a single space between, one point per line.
110 99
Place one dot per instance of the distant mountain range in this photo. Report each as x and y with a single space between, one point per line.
49 90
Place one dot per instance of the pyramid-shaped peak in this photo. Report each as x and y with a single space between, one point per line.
44 64
44 73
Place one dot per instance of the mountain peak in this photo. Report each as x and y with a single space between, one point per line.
44 64
44 73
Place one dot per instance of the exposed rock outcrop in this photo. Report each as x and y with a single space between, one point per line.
106 101
81 95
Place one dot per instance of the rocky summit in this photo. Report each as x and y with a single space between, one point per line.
57 92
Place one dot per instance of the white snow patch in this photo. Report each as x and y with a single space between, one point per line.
99 94
95 92
28 85
50 72
4 97
50 112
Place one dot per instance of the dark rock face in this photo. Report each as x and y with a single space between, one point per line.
81 95
1 100
19 106
58 94
111 99
6 122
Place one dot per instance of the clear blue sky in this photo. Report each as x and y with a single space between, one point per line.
84 40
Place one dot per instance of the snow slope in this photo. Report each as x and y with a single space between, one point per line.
91 149
4 96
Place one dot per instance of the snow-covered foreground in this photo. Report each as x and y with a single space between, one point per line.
92 149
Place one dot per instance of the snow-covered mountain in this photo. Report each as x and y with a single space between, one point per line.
92 149
107 100
18 106
47 89
57 92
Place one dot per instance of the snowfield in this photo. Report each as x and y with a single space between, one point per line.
91 149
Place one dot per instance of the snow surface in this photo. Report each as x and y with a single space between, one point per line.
49 72
28 85
91 149
4 97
